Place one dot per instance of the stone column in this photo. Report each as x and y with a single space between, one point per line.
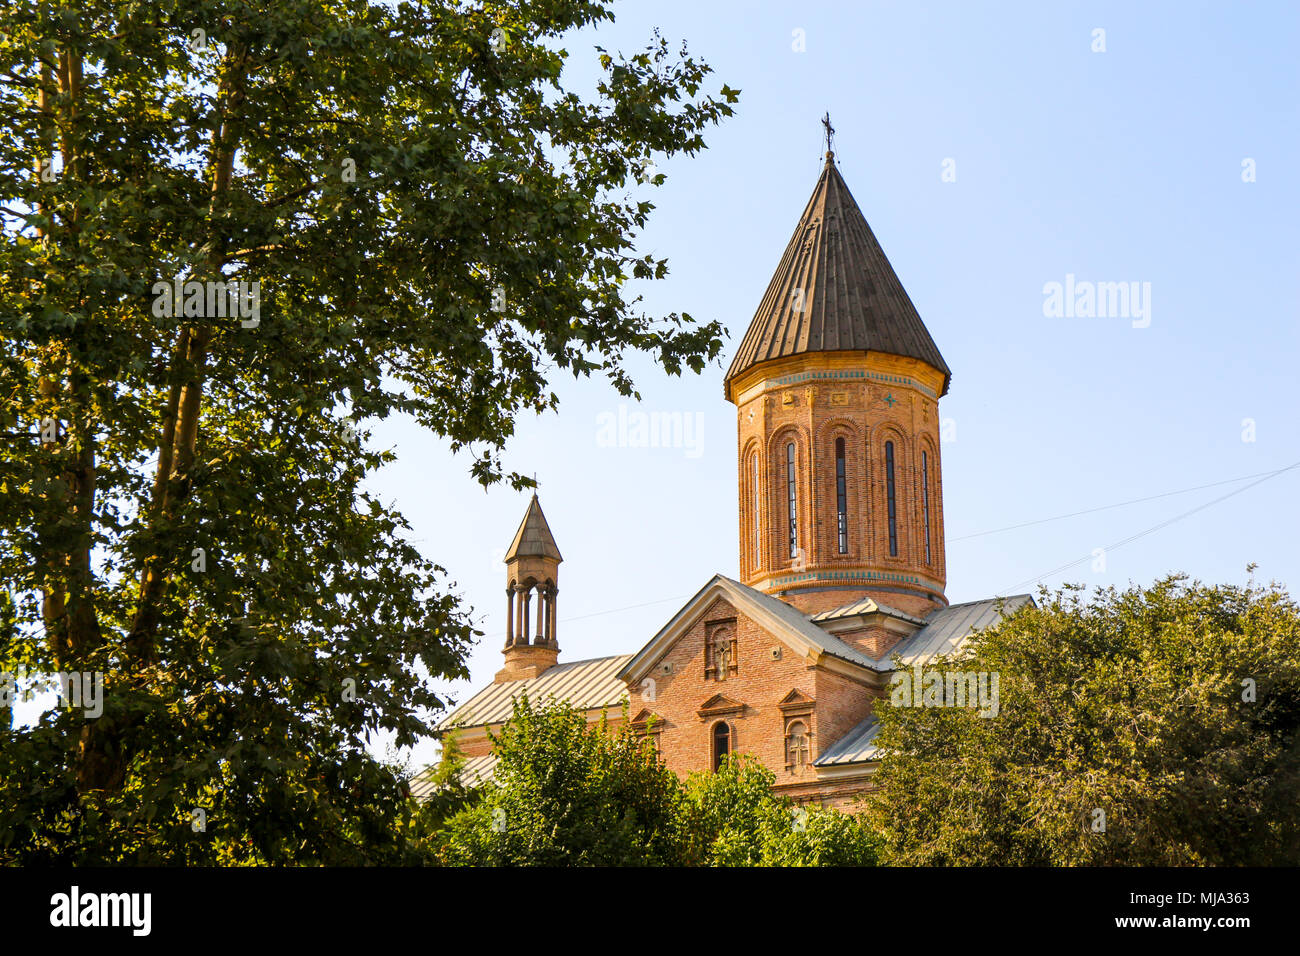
550 608
546 615
519 616
510 615
526 633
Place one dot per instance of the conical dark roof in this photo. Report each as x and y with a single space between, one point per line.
851 298
533 538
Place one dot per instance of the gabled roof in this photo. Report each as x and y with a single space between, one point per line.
946 628
586 685
942 632
785 623
834 290
863 606
534 536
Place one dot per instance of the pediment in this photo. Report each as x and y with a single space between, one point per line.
646 719
796 702
719 705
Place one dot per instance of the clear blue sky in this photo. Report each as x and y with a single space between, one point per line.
1117 166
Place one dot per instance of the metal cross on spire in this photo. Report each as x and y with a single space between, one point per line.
830 134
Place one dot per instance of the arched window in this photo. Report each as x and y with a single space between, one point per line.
758 537
925 502
792 501
796 746
721 743
891 499
841 498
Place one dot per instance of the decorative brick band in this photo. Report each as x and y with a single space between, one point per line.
850 576
852 374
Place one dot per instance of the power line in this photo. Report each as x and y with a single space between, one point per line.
1120 504
1153 528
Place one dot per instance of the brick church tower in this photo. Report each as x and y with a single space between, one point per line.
836 386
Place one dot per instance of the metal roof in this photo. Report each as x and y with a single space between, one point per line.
583 684
857 746
834 290
782 620
864 606
534 536
946 629
474 772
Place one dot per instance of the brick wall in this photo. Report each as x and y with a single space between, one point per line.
812 401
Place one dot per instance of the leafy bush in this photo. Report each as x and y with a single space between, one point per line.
567 793
1156 726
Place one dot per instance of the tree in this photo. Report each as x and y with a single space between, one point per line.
735 819
1157 726
565 793
233 234
569 793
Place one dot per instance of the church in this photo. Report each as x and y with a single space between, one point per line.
836 385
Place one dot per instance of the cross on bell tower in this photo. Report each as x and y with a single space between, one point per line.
532 572
830 137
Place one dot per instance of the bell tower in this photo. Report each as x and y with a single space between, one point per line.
836 386
532 570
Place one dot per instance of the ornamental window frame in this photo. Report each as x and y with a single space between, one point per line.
716 633
798 729
798 708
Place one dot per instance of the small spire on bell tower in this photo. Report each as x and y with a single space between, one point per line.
532 571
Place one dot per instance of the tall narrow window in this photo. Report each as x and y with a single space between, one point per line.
792 500
758 538
925 502
889 495
841 498
721 744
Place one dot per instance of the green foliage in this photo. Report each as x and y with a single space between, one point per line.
449 794
736 820
1130 703
567 793
437 225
